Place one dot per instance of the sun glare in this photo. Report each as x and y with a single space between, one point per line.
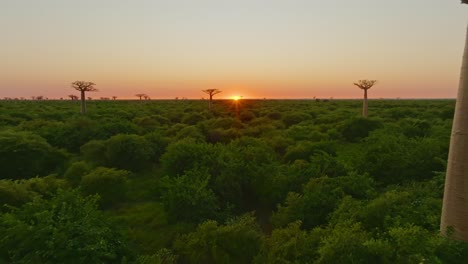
236 98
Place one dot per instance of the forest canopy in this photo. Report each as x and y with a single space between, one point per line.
249 181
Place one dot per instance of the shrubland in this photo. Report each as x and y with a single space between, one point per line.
263 181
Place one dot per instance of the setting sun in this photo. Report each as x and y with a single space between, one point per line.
236 98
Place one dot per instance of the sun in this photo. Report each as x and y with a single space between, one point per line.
236 98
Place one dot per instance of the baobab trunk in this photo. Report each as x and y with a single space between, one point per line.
210 104
455 205
83 103
364 104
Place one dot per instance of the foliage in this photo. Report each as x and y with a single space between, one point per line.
324 185
24 155
290 245
188 198
66 229
358 128
109 183
127 152
238 241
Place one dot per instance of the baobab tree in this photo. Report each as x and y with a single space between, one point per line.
140 95
455 205
365 85
83 87
211 93
114 97
73 97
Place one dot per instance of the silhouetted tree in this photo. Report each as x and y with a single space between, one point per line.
114 97
83 87
140 95
365 85
146 97
455 205
211 93
73 97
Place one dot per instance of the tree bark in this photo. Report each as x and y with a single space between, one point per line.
455 204
83 103
364 104
210 104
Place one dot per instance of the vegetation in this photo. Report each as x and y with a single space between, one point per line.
251 181
365 85
211 93
83 87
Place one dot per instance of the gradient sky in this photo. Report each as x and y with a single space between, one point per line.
254 48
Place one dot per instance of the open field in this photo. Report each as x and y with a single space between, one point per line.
252 181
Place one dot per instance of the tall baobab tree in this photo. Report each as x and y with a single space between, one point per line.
365 85
455 205
140 95
114 97
211 93
83 87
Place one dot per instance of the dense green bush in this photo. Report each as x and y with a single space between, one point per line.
188 197
128 152
238 241
24 155
65 229
109 184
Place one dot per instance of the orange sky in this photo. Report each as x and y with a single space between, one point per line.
254 48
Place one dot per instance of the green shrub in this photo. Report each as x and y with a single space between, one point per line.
109 184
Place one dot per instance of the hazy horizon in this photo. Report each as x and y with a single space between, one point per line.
256 49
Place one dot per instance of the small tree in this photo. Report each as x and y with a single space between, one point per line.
83 87
365 85
140 95
211 93
114 97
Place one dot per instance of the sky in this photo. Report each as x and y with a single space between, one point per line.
249 48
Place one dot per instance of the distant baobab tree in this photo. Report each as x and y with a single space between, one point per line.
211 93
365 85
39 97
455 204
114 97
83 87
140 95
73 97
146 97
